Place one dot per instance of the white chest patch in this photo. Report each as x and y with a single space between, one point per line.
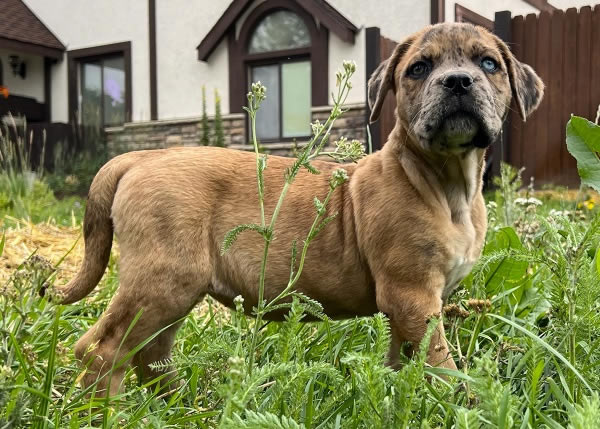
458 269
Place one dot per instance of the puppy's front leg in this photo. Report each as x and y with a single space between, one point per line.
409 309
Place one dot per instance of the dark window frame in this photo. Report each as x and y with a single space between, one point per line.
462 14
77 56
240 60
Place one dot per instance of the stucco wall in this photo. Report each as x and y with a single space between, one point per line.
82 24
396 18
565 4
487 8
33 84
181 26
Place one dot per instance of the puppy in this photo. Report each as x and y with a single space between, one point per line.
411 219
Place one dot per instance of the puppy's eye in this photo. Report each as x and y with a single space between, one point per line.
418 70
489 64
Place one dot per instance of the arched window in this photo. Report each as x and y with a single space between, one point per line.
280 45
278 31
286 111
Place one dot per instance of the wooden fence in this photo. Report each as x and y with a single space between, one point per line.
564 49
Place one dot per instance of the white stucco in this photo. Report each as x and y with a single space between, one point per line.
396 18
82 24
339 51
181 26
33 84
488 8
565 4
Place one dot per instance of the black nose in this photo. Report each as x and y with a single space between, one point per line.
459 83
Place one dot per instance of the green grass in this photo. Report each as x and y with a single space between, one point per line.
530 357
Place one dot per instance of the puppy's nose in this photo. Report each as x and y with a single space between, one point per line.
459 82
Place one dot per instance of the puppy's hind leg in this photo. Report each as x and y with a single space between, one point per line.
153 361
161 298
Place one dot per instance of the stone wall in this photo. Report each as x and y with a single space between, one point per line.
187 132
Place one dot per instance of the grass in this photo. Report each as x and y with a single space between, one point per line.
509 326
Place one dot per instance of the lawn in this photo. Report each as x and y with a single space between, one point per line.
524 329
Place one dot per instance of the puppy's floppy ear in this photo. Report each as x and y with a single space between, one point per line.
382 79
527 87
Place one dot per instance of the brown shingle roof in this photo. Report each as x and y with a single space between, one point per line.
19 24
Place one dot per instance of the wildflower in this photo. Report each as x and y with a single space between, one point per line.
238 301
588 204
455 311
71 180
352 150
338 178
317 127
528 201
29 353
479 305
259 91
349 66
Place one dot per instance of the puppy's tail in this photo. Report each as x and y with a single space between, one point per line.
97 231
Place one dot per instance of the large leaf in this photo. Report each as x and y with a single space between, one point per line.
507 272
583 142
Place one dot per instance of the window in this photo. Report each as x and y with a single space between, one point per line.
101 91
280 44
280 30
100 85
286 112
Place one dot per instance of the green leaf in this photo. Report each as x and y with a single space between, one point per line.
2 242
597 260
583 142
507 271
232 235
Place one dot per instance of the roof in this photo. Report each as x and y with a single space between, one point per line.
330 17
22 30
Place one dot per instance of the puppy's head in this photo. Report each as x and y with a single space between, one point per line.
453 85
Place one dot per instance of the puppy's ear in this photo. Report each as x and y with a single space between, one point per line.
382 79
527 88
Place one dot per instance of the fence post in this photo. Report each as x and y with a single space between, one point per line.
373 57
502 25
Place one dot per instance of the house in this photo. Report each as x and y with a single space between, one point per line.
136 68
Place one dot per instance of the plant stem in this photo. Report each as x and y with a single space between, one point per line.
261 199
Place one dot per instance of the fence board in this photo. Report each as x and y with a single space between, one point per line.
529 137
554 98
570 73
570 80
542 66
595 56
516 128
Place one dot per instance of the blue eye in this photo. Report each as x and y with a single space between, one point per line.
489 65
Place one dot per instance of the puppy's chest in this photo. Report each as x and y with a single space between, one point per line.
463 253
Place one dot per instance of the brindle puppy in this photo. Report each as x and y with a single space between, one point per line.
411 218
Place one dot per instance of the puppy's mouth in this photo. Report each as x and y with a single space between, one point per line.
460 131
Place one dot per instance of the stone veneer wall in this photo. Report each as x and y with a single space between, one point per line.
187 132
